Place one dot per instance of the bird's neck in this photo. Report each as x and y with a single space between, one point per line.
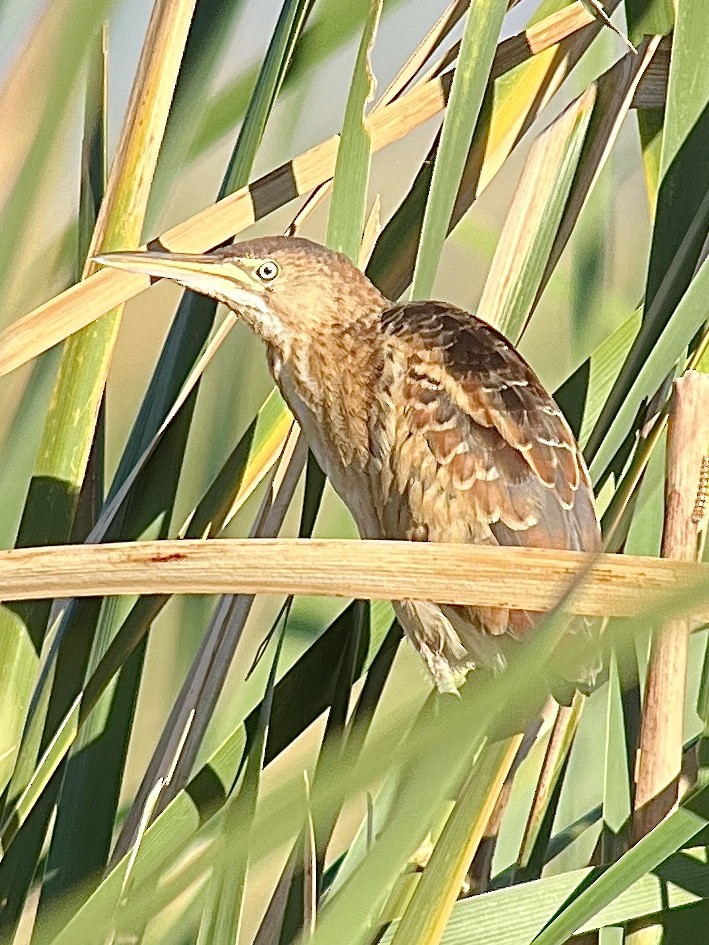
327 380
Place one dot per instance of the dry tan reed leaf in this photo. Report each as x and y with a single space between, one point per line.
548 32
529 578
81 304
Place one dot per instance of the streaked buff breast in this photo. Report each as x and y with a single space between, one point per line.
337 435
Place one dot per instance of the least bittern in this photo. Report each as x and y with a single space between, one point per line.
428 423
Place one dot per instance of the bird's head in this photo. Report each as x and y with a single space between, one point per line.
284 287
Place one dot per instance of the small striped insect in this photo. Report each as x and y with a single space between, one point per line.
702 501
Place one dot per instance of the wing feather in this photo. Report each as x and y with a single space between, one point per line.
480 451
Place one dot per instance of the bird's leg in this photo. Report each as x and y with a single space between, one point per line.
434 637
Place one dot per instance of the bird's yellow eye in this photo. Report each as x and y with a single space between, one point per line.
267 271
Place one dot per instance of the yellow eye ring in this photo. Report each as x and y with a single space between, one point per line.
267 271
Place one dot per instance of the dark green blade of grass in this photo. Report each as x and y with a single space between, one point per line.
101 750
648 18
621 736
590 898
582 395
208 518
175 754
516 688
278 819
676 831
295 918
378 807
289 29
57 477
429 775
285 912
84 618
19 450
685 321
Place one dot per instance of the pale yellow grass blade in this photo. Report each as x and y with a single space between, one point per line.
526 578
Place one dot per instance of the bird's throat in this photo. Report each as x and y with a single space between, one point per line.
327 382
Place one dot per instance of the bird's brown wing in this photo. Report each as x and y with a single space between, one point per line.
470 447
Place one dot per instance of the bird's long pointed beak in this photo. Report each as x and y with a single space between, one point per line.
208 273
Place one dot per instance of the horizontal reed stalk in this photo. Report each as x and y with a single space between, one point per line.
529 578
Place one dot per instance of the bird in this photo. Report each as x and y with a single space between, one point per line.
427 421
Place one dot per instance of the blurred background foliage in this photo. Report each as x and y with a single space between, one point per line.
602 228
